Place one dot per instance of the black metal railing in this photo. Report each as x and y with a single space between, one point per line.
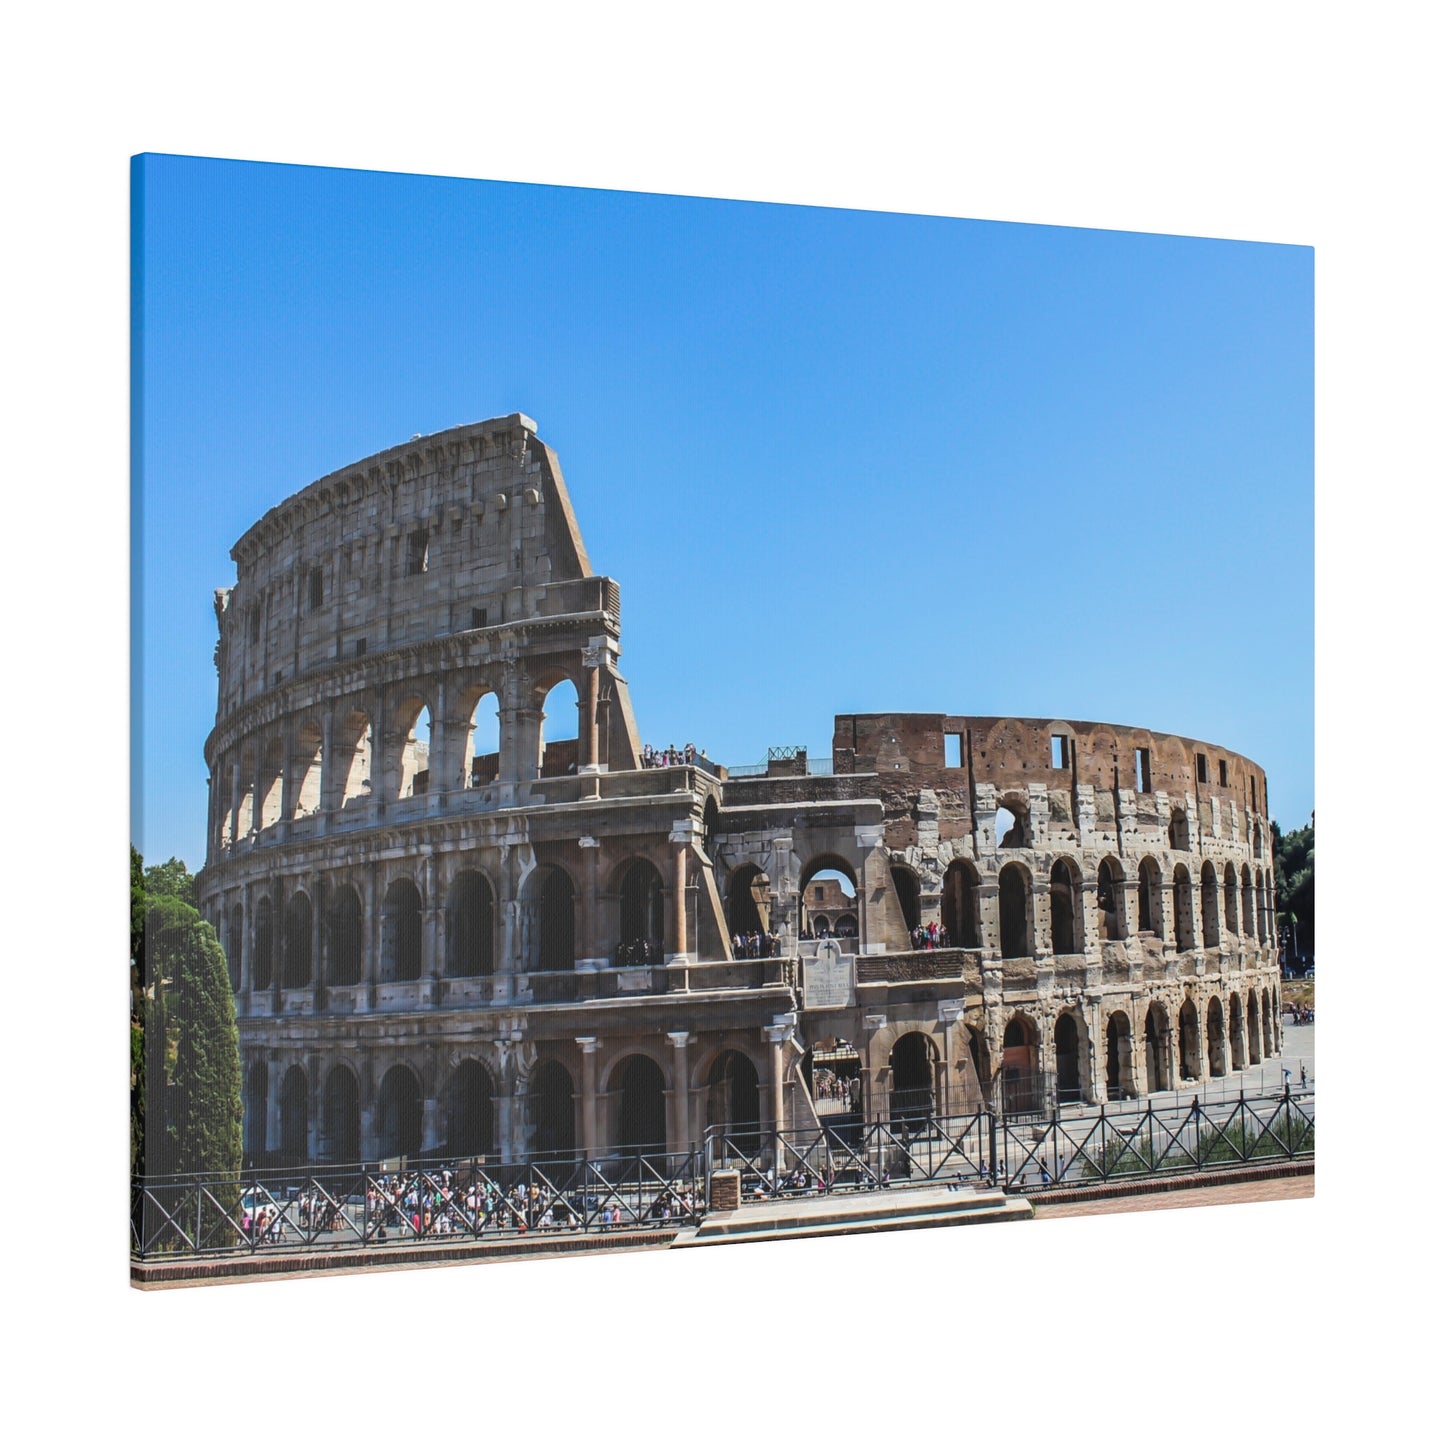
368 1206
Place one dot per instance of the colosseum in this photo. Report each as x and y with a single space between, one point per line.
464 918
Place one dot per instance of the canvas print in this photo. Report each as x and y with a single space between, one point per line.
932 847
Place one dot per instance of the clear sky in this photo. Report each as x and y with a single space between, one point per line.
838 461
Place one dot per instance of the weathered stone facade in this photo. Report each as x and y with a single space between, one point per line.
440 945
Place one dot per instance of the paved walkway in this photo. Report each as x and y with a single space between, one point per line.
1255 1192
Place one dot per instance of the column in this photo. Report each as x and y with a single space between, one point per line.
433 947
431 1123
679 1129
328 776
589 950
594 690
683 833
589 1045
777 1035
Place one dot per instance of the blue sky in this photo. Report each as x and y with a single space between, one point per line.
839 461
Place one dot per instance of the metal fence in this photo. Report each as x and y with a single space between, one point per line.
986 1148
370 1207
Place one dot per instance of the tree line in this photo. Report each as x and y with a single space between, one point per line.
1294 888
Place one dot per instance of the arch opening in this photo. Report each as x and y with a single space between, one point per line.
733 1100
401 933
558 746
911 1074
344 937
960 904
552 1109
641 1107
399 1114
1189 1060
298 942
1063 909
1014 924
341 1118
553 911
1119 1075
1022 1083
471 925
469 1113
1069 1059
642 899
294 1115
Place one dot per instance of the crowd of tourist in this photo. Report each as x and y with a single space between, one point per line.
637 953
757 945
830 1086
825 930
421 1205
932 935
671 757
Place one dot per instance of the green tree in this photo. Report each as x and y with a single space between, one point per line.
1294 886
171 879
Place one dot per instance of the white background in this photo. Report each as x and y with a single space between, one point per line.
1263 122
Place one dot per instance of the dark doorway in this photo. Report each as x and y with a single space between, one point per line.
554 1115
732 1099
294 1112
399 1114
911 1061
469 1112
1067 1059
642 1107
341 1117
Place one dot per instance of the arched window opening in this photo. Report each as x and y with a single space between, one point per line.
1266 1023
254 1118
1231 900
827 887
272 770
1214 1028
262 946
1254 1052
1148 896
306 771
399 1115
910 1097
641 1107
1156 1048
1183 909
344 941
471 926
468 1111
401 933
1111 901
341 1118
1011 826
559 755
1068 1059
1261 895
552 1111
905 884
1246 901
354 748
845 925
414 765
710 813
733 1099
1179 830
1119 1075
749 900
555 919
641 897
1209 905
1063 916
1189 1062
294 1116
1236 1031
1022 1084
235 932
481 758
834 1074
1015 932
246 798
297 972
960 904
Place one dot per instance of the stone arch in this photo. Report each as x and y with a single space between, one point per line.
821 924
480 716
1266 1023
1156 1048
1209 905
1119 1065
353 743
1190 1064
263 945
1151 897
1183 909
471 916
295 1115
551 899
341 1117
399 1114
749 899
1065 912
710 817
641 896
273 772
912 1065
1015 911
246 796
344 937
1236 1032
1012 827
1252 1008
641 1111
1112 923
559 743
960 904
552 1110
1246 901
296 967
825 863
254 1113
401 932
1214 1032
846 925
1071 1057
1178 830
1021 1076
906 886
411 770
1231 900
1261 897
733 1098
467 1110
306 770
